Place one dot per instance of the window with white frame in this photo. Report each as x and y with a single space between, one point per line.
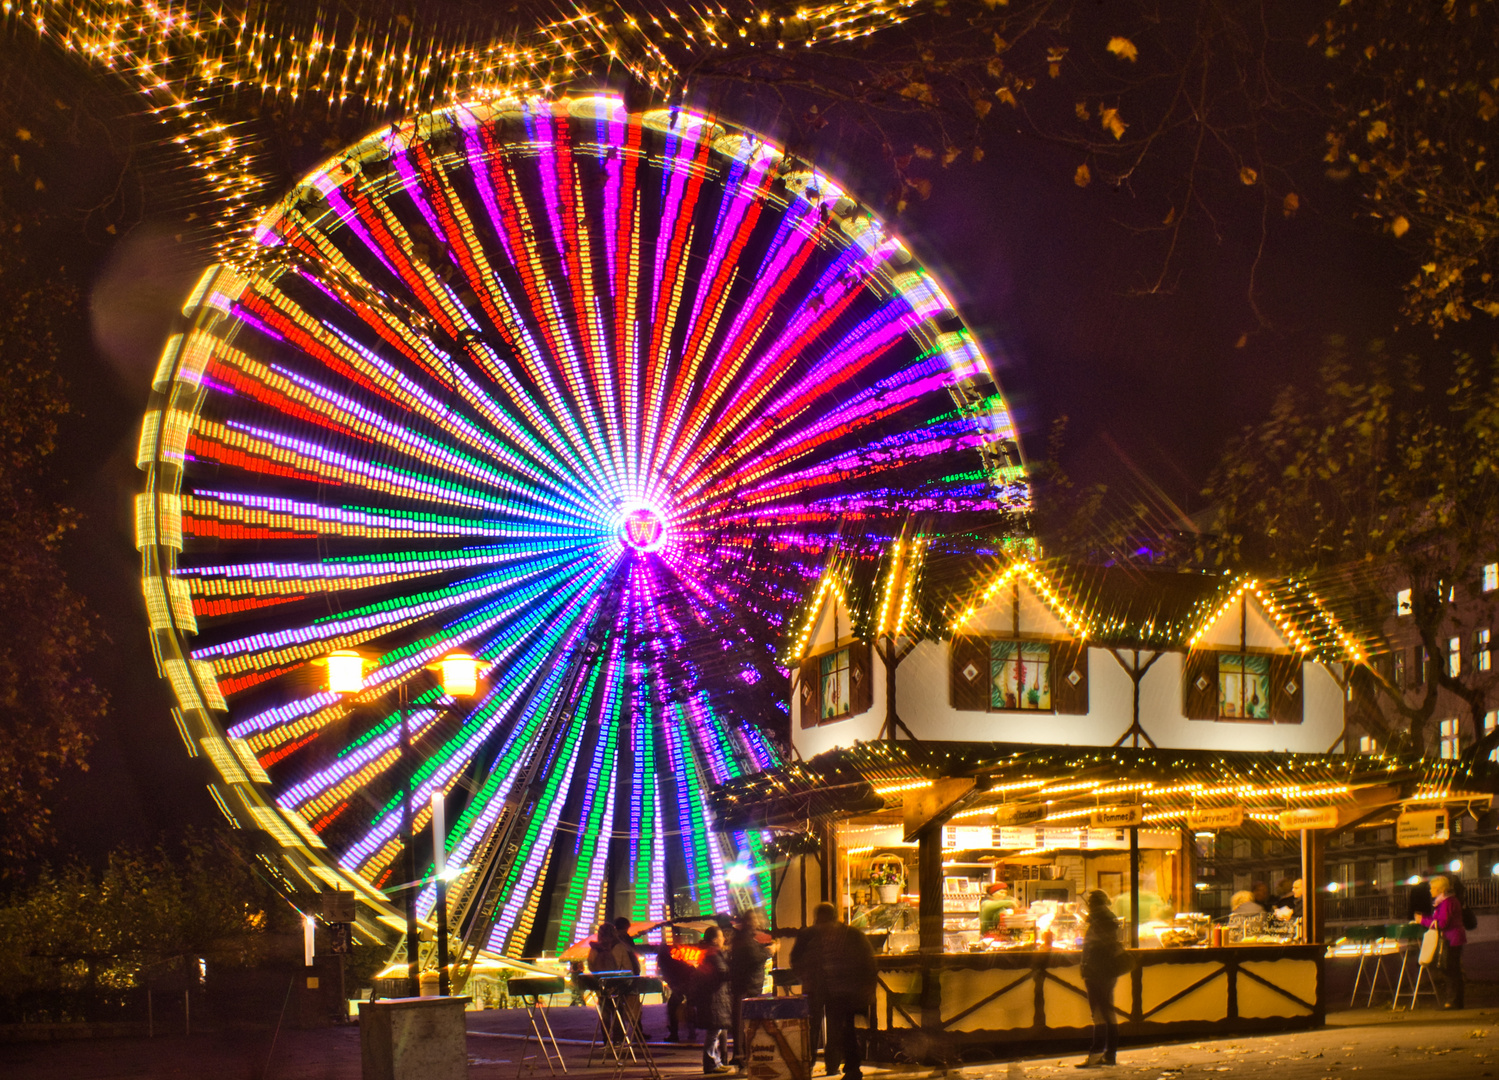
1483 657
1454 657
1490 576
1366 745
1448 731
1491 721
1403 602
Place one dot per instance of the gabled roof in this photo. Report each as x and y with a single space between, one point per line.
929 587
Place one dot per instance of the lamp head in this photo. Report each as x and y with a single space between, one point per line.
345 671
460 674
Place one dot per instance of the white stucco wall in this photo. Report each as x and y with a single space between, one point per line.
923 703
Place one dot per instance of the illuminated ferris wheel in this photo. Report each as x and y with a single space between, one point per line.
586 394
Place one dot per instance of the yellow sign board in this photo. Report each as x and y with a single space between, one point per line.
1318 817
1117 817
1215 817
1017 814
1418 828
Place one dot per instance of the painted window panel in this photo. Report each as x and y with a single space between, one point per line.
1243 686
836 697
1020 675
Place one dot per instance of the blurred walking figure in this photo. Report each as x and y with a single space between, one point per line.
679 976
1104 959
747 957
837 971
714 1010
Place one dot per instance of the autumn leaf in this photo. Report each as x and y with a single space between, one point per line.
1247 176
1083 177
1081 108
978 153
1170 216
982 107
23 134
1377 130
1109 118
1400 226
1290 204
950 155
919 91
1007 96
1123 48
1243 341
925 153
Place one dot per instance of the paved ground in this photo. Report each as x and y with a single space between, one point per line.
1424 1045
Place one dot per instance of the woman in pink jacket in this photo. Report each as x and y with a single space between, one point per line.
1447 917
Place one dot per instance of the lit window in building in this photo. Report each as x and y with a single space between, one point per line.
1490 576
1366 745
1448 730
1403 602
836 698
1491 721
1019 675
1482 658
1454 657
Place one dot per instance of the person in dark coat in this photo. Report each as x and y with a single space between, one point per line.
1100 970
837 968
747 957
714 1010
679 977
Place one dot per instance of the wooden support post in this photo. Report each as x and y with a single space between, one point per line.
829 867
1134 888
929 883
1312 847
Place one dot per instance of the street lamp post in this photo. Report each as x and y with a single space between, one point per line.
460 677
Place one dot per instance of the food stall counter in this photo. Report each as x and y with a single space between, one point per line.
957 1005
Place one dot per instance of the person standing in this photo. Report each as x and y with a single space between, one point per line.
747 957
995 906
1447 916
714 1011
609 955
837 965
679 976
1101 964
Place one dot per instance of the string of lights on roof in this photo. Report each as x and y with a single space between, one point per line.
1038 581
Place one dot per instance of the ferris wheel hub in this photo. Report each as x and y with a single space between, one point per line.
642 528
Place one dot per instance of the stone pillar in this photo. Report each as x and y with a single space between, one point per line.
413 1039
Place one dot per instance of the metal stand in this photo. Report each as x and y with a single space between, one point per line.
531 991
618 1030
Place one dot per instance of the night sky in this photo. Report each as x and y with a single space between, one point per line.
1153 386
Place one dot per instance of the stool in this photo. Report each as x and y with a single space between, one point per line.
1409 935
531 990
1364 937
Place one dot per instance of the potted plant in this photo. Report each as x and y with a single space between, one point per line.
887 875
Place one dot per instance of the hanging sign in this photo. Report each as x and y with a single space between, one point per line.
1319 817
1215 817
1117 817
1418 828
1017 814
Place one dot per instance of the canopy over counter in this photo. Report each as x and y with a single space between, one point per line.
979 938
